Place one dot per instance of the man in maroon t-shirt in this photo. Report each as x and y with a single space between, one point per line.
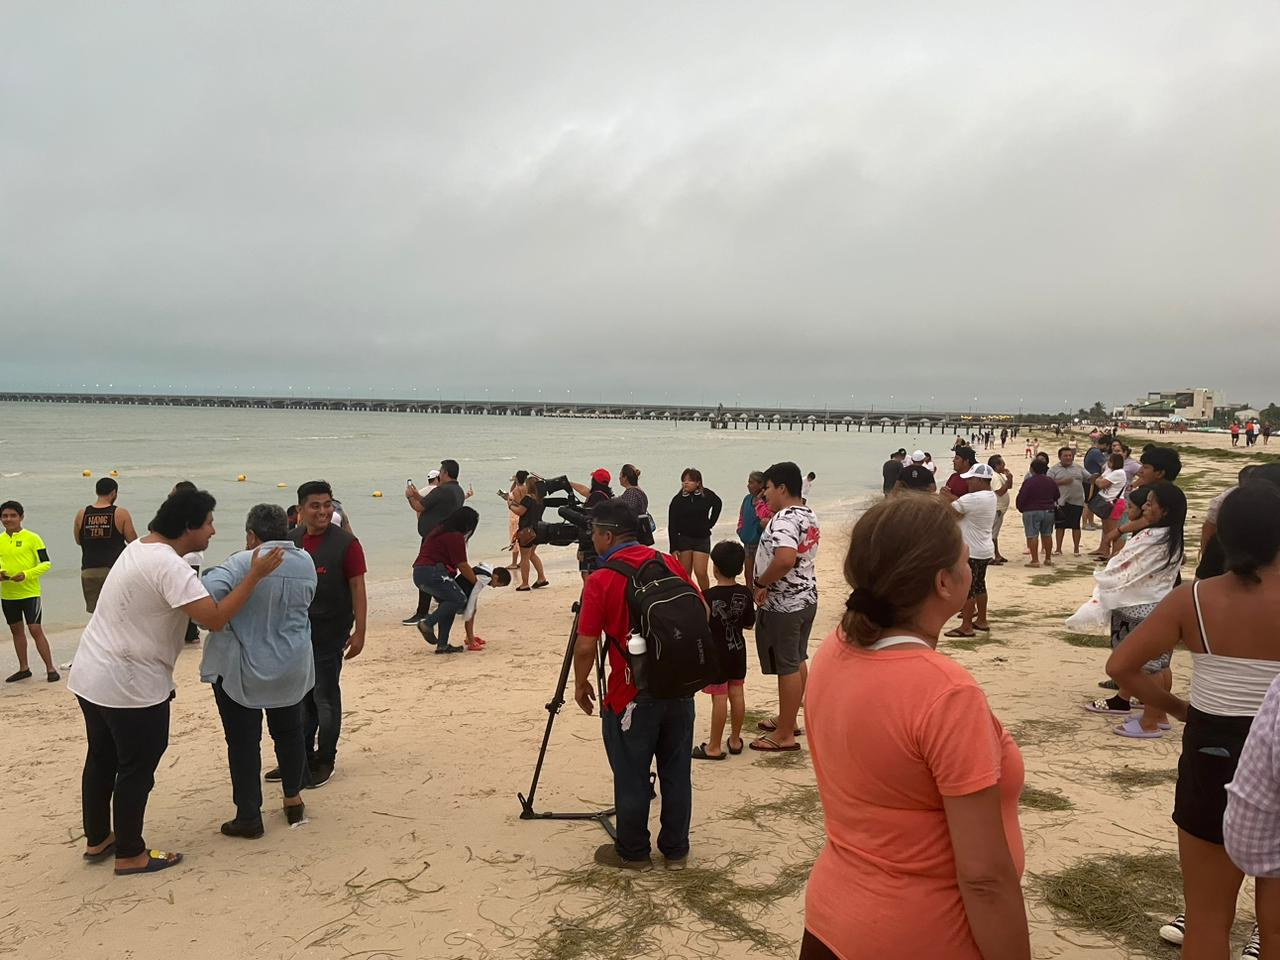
637 727
956 487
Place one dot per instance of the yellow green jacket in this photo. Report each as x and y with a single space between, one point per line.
22 552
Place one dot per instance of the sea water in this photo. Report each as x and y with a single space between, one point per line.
44 449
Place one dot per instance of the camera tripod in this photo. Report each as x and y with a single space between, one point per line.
553 707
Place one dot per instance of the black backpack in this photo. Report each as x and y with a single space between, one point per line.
669 613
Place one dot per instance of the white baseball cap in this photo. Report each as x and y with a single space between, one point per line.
979 471
917 457
433 475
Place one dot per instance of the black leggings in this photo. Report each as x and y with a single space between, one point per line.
125 747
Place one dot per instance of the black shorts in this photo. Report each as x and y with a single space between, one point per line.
979 569
1068 516
15 611
682 542
1211 748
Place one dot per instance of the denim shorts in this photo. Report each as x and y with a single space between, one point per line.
1038 523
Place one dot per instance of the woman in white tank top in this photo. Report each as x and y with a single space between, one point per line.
1231 626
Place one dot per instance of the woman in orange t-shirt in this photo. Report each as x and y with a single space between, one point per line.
919 781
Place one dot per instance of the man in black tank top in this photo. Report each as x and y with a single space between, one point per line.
337 623
102 530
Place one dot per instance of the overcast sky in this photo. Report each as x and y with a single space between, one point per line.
775 201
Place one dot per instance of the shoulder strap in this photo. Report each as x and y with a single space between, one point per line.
1195 602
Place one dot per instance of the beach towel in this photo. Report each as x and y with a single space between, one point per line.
1139 573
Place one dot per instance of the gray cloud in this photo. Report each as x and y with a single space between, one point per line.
1003 201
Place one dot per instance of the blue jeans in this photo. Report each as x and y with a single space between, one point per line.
661 729
437 582
323 711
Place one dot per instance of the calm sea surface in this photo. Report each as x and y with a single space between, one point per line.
45 448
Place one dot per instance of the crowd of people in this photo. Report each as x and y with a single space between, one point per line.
925 793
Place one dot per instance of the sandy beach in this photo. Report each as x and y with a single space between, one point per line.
415 849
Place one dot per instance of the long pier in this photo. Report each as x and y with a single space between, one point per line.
718 417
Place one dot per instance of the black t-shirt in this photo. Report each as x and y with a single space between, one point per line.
917 476
892 470
532 512
732 611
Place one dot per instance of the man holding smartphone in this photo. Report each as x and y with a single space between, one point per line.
441 501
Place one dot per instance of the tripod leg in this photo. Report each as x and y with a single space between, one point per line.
553 707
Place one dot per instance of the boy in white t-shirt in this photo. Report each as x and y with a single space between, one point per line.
486 576
977 510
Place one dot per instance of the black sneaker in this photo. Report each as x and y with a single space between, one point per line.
248 830
428 634
273 775
321 773
411 620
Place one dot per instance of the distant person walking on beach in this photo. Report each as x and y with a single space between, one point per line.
919 780
338 616
23 561
262 663
786 593
101 529
892 470
750 526
1235 434
807 485
691 518
1037 498
1266 433
123 673
1229 623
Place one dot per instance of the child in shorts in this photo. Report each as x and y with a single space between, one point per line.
732 611
486 576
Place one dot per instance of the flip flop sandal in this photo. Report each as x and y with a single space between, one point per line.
773 745
523 589
700 753
770 726
958 633
1132 728
741 747
102 854
986 629
541 583
156 860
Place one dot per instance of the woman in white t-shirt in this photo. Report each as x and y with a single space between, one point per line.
1111 489
122 674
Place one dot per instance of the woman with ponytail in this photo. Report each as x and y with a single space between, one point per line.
919 781
1231 625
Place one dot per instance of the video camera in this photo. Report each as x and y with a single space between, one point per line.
567 534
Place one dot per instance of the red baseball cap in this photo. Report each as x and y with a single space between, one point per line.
601 476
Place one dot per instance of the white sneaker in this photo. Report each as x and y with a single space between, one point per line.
1253 949
1174 930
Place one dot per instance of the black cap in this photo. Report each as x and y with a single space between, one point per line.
917 476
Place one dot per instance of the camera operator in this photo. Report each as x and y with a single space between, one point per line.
596 494
637 728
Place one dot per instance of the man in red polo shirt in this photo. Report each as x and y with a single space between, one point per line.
637 727
956 486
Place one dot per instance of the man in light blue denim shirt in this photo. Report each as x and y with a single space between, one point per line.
262 661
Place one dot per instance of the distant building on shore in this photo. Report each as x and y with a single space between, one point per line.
1193 404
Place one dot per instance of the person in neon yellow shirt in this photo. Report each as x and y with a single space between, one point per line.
23 561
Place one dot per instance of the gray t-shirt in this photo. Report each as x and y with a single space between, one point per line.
1072 492
438 505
